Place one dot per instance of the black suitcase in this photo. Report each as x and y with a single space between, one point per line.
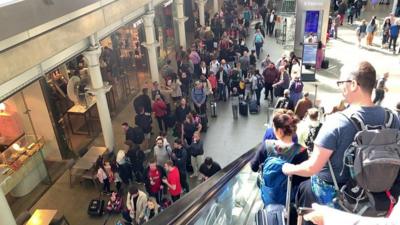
325 64
96 207
243 108
204 122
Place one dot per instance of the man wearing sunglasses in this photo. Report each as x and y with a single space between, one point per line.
357 82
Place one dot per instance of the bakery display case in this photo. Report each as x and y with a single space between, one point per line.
22 166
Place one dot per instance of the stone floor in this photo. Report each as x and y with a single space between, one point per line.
226 138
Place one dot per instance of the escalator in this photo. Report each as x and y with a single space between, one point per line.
230 197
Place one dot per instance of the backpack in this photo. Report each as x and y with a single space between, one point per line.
312 134
260 82
258 38
138 135
274 182
373 160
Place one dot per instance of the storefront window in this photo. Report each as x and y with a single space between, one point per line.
165 33
27 143
72 107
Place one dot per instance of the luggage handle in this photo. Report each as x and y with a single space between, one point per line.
288 195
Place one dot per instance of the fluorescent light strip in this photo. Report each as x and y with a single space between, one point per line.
8 2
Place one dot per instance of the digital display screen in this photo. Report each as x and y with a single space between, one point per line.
310 54
312 20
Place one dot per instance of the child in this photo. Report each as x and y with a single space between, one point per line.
213 81
235 102
114 173
114 205
248 89
152 209
253 59
102 175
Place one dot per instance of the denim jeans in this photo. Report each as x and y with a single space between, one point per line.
221 91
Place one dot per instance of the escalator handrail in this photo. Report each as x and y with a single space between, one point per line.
186 208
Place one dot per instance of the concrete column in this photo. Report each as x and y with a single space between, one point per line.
99 90
151 45
6 216
215 6
181 19
201 5
394 6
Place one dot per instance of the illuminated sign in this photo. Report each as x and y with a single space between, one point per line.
167 3
137 23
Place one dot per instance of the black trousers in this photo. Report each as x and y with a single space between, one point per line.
157 196
305 197
175 198
161 121
184 181
269 90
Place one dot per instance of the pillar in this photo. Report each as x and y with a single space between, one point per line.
201 5
394 6
6 216
215 6
151 44
99 90
181 19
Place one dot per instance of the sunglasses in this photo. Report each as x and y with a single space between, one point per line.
340 82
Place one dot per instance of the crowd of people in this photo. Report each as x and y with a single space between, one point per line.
220 66
389 29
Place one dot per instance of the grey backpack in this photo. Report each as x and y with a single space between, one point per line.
373 160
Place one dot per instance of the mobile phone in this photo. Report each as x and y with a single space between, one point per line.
304 210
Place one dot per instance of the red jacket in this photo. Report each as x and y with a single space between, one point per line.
159 108
213 81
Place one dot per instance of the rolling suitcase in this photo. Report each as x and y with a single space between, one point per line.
253 107
325 64
243 108
213 109
276 214
96 207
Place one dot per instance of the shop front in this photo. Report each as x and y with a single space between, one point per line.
165 31
123 61
27 142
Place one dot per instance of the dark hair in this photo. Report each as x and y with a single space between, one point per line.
152 160
178 141
306 94
114 166
319 44
365 76
208 161
144 91
169 163
285 122
133 190
313 113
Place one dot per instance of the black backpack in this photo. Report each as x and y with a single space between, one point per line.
312 134
138 135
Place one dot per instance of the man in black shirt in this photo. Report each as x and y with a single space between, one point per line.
143 120
209 168
135 135
142 100
179 158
